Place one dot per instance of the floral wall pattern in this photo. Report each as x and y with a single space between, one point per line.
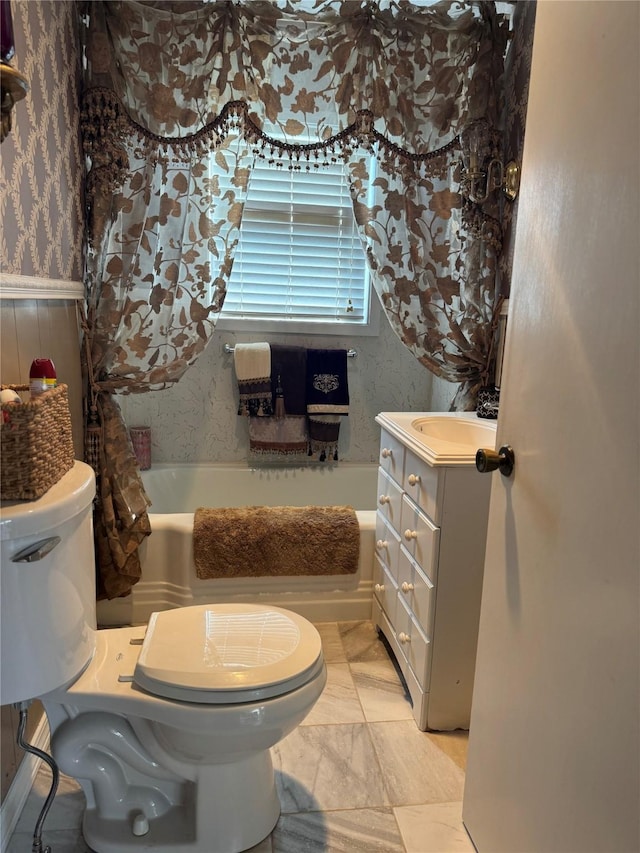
41 165
41 220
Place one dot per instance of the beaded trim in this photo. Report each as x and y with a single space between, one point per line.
106 125
103 116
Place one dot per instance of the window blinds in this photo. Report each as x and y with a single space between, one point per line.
299 256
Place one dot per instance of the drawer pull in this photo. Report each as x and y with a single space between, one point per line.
404 638
382 543
413 479
410 534
384 499
379 587
386 453
407 587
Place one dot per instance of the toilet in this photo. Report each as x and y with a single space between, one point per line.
167 727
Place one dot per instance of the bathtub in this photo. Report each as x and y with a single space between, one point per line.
168 571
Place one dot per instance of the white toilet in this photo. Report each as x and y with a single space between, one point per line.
168 729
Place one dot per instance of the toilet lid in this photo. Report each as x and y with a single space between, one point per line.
227 653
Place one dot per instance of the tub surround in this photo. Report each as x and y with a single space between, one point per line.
169 577
169 580
195 420
180 488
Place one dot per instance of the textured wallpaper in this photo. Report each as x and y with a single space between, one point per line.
197 421
40 163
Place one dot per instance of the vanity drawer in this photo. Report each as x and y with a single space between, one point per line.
420 537
389 498
391 456
417 591
419 697
414 644
385 589
387 543
420 481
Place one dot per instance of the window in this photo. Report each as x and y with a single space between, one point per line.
299 264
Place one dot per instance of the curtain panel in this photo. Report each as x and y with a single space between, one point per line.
181 97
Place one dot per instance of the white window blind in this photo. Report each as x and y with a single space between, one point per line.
299 257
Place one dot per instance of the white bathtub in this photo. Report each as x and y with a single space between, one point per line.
168 571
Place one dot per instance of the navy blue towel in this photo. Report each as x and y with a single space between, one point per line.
327 385
327 400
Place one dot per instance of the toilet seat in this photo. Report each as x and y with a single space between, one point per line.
227 653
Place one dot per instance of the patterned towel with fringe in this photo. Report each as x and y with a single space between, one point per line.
327 400
286 433
253 373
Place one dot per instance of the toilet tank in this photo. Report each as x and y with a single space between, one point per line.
47 587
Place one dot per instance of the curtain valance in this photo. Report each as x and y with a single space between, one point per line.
424 74
104 119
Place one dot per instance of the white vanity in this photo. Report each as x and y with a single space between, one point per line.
430 542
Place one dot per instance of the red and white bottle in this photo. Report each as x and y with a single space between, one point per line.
42 376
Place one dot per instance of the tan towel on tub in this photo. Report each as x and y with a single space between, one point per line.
255 541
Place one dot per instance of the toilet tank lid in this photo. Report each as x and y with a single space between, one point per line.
221 653
72 494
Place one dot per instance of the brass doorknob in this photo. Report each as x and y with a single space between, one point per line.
489 460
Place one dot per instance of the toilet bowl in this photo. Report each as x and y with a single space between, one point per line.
169 731
167 728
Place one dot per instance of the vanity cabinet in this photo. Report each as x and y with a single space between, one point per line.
431 526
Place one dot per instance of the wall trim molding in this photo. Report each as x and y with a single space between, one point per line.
17 794
30 287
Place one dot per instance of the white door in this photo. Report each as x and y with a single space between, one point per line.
554 752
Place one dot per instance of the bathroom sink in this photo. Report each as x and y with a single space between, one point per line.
456 431
441 438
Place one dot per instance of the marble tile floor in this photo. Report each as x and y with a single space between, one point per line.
357 775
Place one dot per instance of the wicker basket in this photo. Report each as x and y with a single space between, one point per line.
36 444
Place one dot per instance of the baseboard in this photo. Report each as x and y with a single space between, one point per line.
17 794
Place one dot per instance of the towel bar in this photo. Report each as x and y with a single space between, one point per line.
352 353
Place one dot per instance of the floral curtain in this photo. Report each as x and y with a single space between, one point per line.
406 85
179 99
162 221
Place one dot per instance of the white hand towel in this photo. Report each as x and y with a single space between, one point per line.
252 361
253 373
